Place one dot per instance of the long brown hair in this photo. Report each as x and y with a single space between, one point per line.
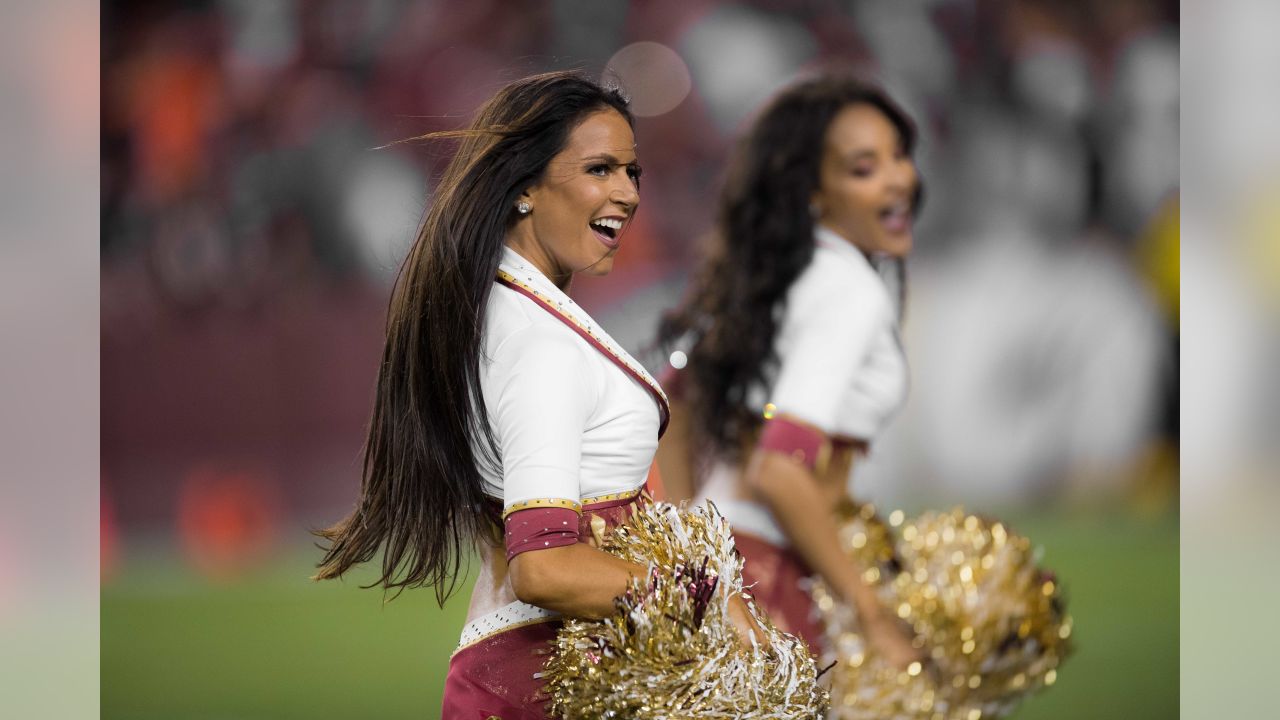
421 496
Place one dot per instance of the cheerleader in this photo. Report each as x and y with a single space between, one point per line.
505 417
794 326
792 367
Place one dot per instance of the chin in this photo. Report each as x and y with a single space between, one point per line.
898 247
604 267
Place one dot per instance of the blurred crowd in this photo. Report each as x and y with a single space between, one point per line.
254 211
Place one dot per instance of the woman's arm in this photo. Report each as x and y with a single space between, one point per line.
675 454
582 581
575 580
794 495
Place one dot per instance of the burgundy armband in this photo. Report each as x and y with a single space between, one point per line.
539 528
803 443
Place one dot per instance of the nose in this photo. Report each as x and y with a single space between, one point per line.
625 194
905 177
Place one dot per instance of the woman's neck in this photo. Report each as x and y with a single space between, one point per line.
540 259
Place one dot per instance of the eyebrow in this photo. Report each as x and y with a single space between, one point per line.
857 155
608 159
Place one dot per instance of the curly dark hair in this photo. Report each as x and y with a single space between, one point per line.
763 241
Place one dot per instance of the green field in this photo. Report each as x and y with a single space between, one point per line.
276 645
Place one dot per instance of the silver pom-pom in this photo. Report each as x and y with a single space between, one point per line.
670 650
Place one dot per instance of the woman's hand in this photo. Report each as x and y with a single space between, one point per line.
744 623
892 641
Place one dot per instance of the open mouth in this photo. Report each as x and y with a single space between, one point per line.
607 229
897 217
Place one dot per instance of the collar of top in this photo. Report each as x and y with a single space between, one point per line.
828 238
529 274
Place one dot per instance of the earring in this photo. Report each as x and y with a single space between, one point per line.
523 207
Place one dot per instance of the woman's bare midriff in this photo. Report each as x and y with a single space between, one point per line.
493 584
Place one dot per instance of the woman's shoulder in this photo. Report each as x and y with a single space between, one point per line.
835 282
515 326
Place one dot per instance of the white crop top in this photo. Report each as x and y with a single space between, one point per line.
572 427
841 366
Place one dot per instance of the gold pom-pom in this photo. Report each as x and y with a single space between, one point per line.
670 649
992 621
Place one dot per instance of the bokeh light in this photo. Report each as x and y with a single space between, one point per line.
654 76
227 521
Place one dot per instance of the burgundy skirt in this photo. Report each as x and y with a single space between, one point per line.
496 677
777 578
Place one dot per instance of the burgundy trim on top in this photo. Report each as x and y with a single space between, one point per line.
539 528
611 503
801 441
664 409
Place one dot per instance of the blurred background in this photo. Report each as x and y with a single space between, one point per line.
251 229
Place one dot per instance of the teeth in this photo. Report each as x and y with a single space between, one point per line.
608 222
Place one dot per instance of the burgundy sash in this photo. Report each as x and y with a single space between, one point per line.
664 407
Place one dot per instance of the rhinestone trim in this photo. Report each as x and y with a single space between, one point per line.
573 505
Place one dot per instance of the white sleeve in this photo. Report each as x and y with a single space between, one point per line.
541 408
828 336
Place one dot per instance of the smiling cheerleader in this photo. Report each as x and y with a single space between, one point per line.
793 367
505 417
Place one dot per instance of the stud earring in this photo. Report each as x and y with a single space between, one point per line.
523 207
